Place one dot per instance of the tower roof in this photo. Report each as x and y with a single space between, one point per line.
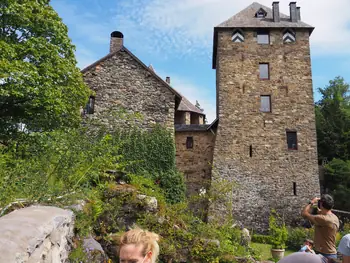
247 18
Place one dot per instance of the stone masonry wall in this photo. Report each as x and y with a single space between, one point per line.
265 180
121 82
195 163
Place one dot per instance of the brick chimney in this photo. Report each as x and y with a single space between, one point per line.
293 12
276 11
116 42
298 14
167 79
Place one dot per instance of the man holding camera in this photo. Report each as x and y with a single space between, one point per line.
326 225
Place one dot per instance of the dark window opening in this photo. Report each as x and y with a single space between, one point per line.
261 13
90 106
292 140
251 150
265 103
264 71
189 142
294 188
263 37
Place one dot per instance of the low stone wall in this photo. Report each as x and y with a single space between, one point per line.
36 234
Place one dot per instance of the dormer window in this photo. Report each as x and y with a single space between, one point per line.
261 13
238 36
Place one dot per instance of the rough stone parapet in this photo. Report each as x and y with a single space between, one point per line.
36 234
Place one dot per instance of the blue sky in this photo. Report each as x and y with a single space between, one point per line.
175 36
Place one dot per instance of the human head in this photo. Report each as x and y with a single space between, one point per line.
344 248
137 245
309 242
300 257
327 202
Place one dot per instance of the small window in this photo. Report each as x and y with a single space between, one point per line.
90 106
292 140
189 142
264 71
265 103
261 13
294 188
263 37
251 150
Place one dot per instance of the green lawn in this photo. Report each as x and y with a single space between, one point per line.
265 250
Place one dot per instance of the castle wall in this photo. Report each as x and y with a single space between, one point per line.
195 163
121 82
251 146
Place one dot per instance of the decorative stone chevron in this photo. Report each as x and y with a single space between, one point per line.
238 36
288 36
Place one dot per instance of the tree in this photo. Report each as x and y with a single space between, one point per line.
333 120
40 84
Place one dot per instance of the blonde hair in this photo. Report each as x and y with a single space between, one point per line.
137 236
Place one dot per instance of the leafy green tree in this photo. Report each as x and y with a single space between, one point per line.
40 85
337 180
333 120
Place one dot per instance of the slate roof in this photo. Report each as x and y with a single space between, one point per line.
246 19
186 105
192 127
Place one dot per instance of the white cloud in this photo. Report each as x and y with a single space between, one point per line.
186 26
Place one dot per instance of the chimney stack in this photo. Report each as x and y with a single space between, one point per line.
116 42
276 11
293 12
298 14
167 79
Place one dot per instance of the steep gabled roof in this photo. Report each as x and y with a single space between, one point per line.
186 105
247 19
124 49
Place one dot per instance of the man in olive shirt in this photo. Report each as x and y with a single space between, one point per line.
326 225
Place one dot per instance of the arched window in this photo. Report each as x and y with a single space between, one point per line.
289 36
238 36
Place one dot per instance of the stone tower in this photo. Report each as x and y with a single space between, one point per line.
266 136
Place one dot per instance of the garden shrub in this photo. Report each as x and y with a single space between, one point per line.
263 239
297 236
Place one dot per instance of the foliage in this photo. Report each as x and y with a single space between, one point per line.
40 85
333 120
262 239
297 236
337 180
277 231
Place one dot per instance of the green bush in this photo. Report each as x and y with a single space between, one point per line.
263 239
297 236
277 231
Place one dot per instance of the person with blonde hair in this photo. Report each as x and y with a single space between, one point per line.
138 246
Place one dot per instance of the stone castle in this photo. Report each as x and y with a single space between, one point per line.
264 137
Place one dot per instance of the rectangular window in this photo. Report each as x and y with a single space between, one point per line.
189 142
292 140
264 71
90 106
263 37
265 103
294 188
